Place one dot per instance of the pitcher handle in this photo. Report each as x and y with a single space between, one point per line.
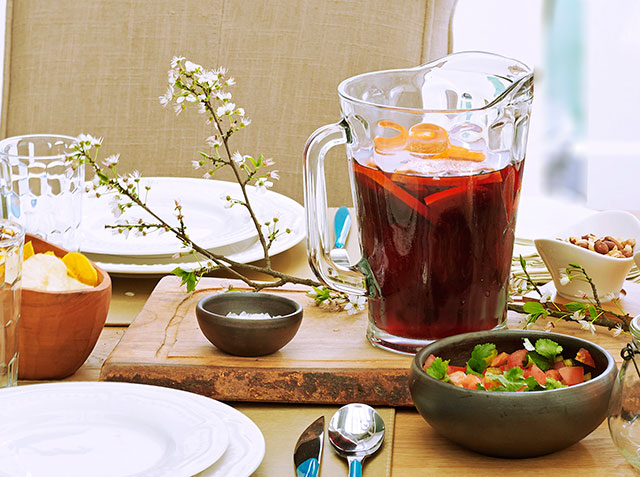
347 280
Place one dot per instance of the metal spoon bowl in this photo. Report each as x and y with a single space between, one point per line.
355 432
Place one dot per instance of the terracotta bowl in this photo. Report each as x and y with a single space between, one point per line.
512 424
58 330
248 336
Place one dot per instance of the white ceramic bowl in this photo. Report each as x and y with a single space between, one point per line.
607 273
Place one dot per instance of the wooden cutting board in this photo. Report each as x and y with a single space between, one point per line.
329 361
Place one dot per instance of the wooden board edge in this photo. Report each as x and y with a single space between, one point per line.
276 385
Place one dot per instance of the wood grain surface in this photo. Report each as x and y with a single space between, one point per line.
329 361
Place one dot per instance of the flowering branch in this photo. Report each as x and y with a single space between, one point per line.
588 315
191 84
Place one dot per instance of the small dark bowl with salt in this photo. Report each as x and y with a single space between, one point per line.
248 323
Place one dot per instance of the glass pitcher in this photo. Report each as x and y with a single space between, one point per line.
435 159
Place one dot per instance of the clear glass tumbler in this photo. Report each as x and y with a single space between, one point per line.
11 246
49 186
624 406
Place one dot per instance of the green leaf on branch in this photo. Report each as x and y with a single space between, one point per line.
189 278
535 309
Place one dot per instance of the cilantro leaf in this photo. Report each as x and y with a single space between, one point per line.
511 380
479 357
438 368
548 348
540 361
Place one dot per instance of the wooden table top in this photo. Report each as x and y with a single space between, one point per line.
416 449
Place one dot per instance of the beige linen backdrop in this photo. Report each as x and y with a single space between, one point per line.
98 67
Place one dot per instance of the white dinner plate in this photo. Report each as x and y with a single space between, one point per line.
107 429
208 222
290 214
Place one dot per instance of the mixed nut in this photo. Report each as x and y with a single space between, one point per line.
611 246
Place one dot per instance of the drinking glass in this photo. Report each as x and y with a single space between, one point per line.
11 245
435 156
49 186
624 405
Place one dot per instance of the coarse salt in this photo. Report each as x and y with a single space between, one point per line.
253 316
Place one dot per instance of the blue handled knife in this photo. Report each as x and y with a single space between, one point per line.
308 451
341 225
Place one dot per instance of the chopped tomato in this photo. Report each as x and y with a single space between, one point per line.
585 357
572 375
429 361
499 360
517 358
489 383
457 377
539 375
558 365
553 374
470 381
455 369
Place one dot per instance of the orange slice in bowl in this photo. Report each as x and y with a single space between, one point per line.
28 250
80 268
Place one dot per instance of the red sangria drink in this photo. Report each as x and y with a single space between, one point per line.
436 154
436 233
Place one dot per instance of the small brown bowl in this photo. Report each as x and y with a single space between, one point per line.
57 331
248 336
512 424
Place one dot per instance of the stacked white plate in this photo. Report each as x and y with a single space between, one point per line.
106 429
209 222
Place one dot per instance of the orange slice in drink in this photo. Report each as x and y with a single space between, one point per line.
425 138
389 145
80 268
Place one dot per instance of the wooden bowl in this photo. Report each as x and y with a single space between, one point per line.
57 331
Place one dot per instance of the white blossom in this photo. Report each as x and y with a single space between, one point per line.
221 71
238 158
546 296
89 139
240 111
617 330
208 78
111 160
202 108
223 95
214 141
196 164
577 315
274 175
230 82
225 109
114 206
191 98
355 304
586 325
262 184
244 122
268 162
312 293
609 296
190 67
167 97
176 60
564 280
172 77
135 175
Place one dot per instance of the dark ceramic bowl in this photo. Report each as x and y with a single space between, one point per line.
248 336
511 424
